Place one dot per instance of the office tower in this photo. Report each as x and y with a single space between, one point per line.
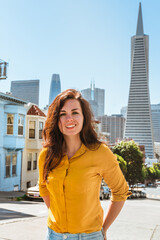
124 111
157 150
155 108
96 98
113 126
55 87
139 121
26 89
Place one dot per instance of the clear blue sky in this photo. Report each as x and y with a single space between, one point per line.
81 40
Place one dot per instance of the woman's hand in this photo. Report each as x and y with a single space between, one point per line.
46 199
104 234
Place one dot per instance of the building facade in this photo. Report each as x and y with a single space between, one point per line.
139 119
12 140
113 127
55 87
35 120
96 98
157 150
155 108
26 89
155 111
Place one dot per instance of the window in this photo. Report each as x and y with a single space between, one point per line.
14 164
11 164
34 161
28 184
20 124
40 129
32 126
8 165
10 122
29 161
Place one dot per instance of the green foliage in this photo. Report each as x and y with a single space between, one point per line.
24 197
131 153
122 164
144 173
156 166
153 172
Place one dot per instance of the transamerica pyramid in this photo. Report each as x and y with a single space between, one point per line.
138 121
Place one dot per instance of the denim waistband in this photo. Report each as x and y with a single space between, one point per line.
76 236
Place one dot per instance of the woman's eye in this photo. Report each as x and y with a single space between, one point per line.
62 114
75 113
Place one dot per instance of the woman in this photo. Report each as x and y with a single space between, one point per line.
71 166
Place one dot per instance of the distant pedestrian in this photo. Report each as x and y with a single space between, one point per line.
71 166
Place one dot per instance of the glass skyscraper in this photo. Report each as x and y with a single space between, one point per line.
26 89
55 87
95 96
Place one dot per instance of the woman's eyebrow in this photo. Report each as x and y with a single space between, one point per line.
74 109
71 110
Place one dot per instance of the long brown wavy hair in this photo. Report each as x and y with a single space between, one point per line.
53 138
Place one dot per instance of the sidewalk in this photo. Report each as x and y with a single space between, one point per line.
27 220
7 196
153 197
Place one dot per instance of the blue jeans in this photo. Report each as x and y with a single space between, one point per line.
51 235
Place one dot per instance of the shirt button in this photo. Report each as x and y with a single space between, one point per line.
64 236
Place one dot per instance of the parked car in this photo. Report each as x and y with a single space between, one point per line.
138 185
101 193
137 194
33 192
141 185
106 192
152 185
143 194
134 195
158 183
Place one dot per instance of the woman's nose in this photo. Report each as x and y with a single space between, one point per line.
69 118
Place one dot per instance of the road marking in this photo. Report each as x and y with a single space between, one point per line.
156 233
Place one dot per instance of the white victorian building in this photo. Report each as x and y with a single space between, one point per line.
35 120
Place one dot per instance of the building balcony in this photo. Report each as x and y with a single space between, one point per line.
14 142
33 144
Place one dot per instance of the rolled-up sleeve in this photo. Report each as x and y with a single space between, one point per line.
42 184
114 177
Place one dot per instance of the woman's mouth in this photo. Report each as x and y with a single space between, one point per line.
70 126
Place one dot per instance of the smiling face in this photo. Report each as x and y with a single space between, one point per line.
71 118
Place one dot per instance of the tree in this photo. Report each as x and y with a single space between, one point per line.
152 175
156 166
144 173
122 164
131 153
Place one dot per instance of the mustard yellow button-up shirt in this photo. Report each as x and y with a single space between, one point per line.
74 186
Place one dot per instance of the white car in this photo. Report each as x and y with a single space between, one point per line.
33 192
139 185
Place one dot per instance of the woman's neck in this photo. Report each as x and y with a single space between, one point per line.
71 145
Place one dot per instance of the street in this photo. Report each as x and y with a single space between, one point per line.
139 220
